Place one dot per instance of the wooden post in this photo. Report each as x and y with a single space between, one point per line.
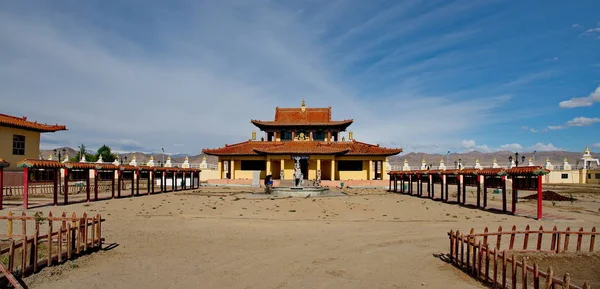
66 193
539 197
87 185
512 238
445 181
567 236
49 239
536 276
458 189
484 193
148 181
112 185
56 180
95 184
34 252
120 175
134 178
579 239
524 273
174 184
504 193
526 238
514 195
478 182
592 239
504 261
1 187
539 239
25 188
499 238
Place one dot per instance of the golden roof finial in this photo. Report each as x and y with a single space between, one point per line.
406 161
303 105
495 160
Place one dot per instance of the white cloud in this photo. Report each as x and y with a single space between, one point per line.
544 147
524 127
576 25
582 101
533 130
578 121
596 145
511 147
583 121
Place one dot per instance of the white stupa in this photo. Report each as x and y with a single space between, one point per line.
203 164
478 165
168 163
186 163
530 162
100 160
151 162
423 165
588 159
566 165
495 164
406 167
133 162
548 164
442 165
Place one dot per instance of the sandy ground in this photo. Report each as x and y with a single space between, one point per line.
216 239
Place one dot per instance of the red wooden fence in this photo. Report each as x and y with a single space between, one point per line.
487 261
25 250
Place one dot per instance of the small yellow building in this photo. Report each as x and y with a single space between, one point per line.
305 139
20 138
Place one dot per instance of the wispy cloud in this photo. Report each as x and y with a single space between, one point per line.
596 145
578 121
582 101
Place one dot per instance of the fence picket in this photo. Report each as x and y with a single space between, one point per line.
499 238
526 238
512 238
579 239
539 240
523 273
536 276
567 235
592 239
549 277
50 240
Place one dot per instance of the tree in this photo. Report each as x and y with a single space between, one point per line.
106 153
82 151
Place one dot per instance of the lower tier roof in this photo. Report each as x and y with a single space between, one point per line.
351 148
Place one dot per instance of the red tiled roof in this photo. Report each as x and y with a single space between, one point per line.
39 164
22 122
296 117
451 172
492 172
106 166
302 147
3 163
469 171
527 171
78 165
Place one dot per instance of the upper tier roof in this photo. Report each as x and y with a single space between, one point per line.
22 122
302 116
353 148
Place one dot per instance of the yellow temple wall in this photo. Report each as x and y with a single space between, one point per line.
32 146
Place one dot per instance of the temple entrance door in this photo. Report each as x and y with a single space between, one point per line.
304 168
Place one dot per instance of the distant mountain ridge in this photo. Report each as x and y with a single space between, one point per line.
486 159
414 159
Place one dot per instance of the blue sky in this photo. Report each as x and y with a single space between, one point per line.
427 76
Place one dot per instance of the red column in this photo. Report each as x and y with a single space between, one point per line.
478 191
539 197
120 183
25 188
112 185
150 182
514 195
95 185
87 185
1 187
56 180
137 181
504 193
66 193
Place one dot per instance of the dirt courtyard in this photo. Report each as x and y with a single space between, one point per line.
218 238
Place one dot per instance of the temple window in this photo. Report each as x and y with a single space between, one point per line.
286 135
350 165
319 135
254 165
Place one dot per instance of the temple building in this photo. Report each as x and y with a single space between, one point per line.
20 138
304 137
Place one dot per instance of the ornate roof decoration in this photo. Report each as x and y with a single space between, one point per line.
4 164
303 116
22 122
